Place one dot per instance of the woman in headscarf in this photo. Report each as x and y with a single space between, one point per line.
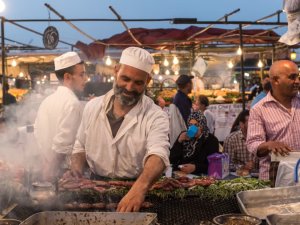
189 154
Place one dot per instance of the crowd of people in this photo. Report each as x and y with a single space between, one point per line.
125 134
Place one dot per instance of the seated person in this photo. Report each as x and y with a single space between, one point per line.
190 154
235 146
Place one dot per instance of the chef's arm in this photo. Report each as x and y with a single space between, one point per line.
133 200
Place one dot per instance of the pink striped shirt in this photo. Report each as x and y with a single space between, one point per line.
271 121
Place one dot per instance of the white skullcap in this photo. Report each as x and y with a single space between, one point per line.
66 60
138 58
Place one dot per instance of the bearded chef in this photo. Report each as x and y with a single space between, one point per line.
59 115
123 134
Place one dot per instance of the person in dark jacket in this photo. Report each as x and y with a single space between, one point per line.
8 98
181 99
190 154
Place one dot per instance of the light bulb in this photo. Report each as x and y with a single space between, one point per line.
14 63
260 64
112 78
108 80
89 79
45 77
176 72
246 74
230 64
166 62
160 77
235 81
38 82
156 72
239 51
21 74
167 72
175 60
293 55
108 61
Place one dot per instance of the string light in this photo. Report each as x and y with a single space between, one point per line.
108 61
166 62
175 60
260 64
230 64
14 63
239 51
293 55
167 72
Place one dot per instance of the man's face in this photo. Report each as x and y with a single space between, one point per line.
287 81
78 78
189 87
130 84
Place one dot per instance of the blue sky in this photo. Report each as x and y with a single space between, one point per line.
130 9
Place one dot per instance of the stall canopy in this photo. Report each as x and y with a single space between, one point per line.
168 38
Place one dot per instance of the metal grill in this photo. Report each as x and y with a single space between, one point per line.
192 210
187 211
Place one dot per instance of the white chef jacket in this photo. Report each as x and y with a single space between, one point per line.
57 122
143 132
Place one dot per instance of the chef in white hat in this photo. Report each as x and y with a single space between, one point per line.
59 115
123 134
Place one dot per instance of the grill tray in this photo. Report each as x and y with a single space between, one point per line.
90 218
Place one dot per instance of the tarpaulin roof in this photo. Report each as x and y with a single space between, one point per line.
168 38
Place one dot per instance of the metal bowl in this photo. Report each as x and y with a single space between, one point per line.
239 219
9 222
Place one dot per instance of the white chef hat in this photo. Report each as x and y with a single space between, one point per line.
66 60
138 58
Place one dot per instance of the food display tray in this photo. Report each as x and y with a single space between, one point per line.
263 202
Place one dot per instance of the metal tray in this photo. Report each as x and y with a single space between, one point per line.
90 218
283 219
263 202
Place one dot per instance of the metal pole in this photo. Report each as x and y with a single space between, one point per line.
242 66
3 59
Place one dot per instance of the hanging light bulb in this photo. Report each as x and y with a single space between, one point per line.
21 74
155 69
14 63
235 81
108 61
166 62
167 72
175 60
112 78
293 55
260 64
230 64
160 77
176 72
239 51
2 6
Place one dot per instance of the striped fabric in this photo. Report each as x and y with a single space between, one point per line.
271 121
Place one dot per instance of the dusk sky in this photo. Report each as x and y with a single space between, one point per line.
129 9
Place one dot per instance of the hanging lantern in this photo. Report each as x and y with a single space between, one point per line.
260 64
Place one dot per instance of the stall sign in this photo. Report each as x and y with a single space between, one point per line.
50 37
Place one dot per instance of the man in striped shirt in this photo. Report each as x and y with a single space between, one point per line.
274 122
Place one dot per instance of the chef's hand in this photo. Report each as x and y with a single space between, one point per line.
188 168
276 147
183 137
71 174
131 202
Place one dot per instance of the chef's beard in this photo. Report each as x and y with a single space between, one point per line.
126 100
